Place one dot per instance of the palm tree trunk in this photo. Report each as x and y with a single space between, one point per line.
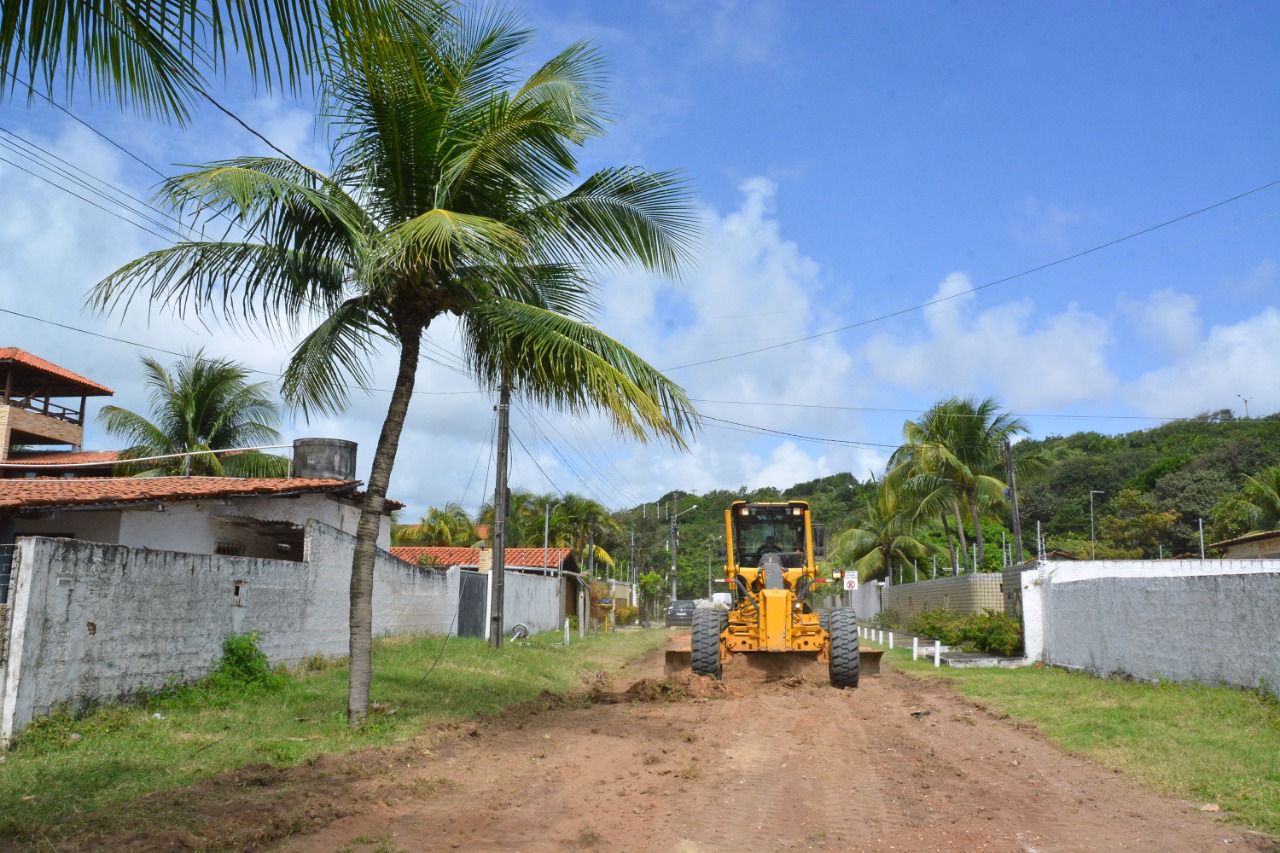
964 543
371 509
977 532
951 545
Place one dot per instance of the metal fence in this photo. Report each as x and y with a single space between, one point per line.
6 579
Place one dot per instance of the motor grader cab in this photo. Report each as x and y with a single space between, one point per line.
770 550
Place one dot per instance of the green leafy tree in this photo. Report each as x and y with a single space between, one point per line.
1135 524
452 192
449 525
201 405
1257 506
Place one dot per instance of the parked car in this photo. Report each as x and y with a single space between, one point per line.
680 612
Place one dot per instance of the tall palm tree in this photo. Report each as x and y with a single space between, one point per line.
1259 502
157 55
449 525
201 406
452 192
884 534
954 453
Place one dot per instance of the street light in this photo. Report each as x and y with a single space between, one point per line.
546 540
1093 546
1246 406
674 537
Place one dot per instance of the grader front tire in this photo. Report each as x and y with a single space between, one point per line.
705 643
843 631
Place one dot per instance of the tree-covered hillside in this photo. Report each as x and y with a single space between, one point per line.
1156 484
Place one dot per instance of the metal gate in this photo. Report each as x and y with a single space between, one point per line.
6 570
473 594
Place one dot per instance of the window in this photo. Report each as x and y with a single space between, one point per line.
229 549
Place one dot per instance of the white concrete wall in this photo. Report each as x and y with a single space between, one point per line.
866 600
93 622
532 600
1212 621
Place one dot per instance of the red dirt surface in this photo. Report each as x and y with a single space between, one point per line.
756 762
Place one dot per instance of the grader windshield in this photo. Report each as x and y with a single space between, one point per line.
769 529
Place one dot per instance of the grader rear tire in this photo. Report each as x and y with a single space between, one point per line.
843 629
705 643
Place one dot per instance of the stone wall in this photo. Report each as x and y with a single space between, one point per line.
1211 621
960 593
93 622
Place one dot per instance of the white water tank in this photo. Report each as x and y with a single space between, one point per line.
324 458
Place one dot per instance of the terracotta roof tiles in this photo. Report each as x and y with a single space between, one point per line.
92 491
35 362
442 556
70 457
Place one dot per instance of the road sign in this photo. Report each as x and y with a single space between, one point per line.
850 581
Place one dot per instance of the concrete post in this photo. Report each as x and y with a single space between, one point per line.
566 631
937 653
915 647
891 641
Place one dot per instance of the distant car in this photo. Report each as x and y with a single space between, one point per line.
680 613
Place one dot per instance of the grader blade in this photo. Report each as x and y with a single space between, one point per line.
679 655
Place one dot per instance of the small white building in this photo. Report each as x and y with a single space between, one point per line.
243 517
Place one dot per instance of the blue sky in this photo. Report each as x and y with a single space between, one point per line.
852 159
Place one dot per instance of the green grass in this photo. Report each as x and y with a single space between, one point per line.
62 767
1206 744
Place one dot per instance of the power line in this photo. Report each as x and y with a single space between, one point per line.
1133 235
559 490
822 439
891 410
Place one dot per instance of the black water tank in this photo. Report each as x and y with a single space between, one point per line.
324 458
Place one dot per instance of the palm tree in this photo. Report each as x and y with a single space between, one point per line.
157 55
953 454
202 406
449 525
1259 502
451 193
884 534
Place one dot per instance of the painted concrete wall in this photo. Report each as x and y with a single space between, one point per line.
960 593
92 622
1210 621
196 527
532 600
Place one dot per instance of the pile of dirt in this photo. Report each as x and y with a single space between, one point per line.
674 688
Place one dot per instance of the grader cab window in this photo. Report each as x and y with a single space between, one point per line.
760 530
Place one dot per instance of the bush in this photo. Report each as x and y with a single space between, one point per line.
992 632
940 624
243 663
625 614
887 620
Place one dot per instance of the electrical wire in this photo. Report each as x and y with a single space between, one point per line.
1133 235
891 410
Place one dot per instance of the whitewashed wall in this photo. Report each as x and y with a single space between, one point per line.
93 622
532 600
1211 621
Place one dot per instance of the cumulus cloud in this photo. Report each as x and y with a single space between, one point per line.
1005 350
1232 359
1166 319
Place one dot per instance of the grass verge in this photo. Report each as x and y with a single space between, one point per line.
1205 744
62 768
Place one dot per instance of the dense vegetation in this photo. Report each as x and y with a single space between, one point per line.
1157 484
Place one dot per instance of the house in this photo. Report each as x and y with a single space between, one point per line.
555 562
42 410
1253 546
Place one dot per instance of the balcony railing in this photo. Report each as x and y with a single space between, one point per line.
45 406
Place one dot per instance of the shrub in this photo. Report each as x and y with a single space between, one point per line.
887 620
992 632
243 663
625 614
940 624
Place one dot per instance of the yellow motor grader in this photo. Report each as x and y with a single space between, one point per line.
770 550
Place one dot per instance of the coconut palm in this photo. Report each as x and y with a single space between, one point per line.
452 193
203 405
884 534
953 454
449 525
157 55
1258 504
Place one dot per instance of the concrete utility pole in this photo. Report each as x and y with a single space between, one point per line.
500 517
1246 406
1013 499
672 534
1092 537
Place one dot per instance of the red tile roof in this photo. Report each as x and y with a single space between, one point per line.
528 558
35 362
93 491
73 457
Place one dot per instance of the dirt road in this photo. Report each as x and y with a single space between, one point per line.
761 764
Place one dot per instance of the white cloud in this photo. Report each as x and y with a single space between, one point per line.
1166 319
1046 224
1233 359
1001 350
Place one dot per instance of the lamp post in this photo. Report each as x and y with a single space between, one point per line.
674 538
1245 400
1093 546
546 541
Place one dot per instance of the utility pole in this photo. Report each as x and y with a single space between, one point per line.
500 517
1093 539
1246 406
672 534
1013 500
